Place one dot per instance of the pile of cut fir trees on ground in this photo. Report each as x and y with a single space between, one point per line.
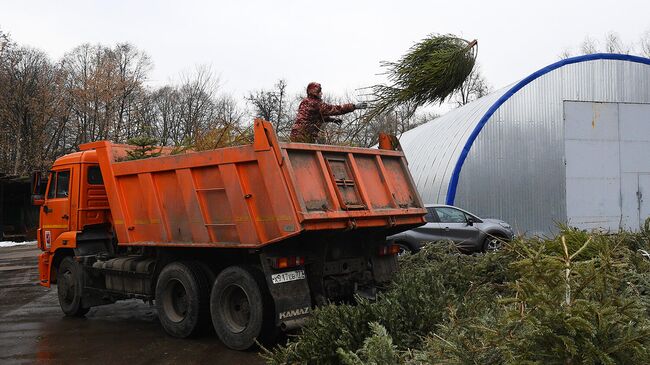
577 298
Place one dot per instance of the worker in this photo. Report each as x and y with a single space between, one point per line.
313 113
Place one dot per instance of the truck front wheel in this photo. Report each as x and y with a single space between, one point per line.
69 287
241 307
182 299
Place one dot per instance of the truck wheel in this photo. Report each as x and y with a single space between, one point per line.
241 307
69 287
182 299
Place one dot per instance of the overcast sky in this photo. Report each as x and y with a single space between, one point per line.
251 44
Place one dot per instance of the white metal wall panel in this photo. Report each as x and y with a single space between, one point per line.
635 137
634 121
591 121
593 184
592 159
636 156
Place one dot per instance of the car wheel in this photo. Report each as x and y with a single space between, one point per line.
404 250
492 243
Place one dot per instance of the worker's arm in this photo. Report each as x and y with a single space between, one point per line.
329 109
332 120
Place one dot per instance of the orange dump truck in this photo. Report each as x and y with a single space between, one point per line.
247 239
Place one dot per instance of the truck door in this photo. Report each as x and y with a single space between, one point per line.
55 212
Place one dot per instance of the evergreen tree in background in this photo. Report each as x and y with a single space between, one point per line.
145 148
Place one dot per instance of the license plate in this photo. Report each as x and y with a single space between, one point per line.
283 277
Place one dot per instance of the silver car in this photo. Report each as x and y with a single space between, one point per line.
447 223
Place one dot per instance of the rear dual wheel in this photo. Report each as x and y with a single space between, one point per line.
241 307
239 304
182 299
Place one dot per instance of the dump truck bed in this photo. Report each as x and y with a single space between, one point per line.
251 196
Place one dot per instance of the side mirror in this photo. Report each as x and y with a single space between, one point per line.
470 221
39 184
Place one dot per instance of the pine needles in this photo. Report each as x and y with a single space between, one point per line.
430 72
578 298
145 148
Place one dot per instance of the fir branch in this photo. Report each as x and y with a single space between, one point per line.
429 72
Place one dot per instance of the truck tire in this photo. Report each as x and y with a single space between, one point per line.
241 307
183 299
69 287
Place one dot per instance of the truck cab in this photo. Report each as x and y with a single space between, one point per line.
74 200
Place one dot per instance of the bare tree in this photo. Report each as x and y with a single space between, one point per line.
275 106
29 103
98 92
613 44
166 105
227 128
193 114
589 46
644 43
104 88
566 54
474 87
5 43
196 92
132 68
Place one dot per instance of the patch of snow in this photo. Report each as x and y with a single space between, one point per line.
11 244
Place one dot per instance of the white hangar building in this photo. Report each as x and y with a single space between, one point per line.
569 143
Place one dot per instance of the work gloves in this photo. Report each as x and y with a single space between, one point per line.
362 105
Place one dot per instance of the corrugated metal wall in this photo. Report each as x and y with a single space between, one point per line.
520 151
515 168
432 149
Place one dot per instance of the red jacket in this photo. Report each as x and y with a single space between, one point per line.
312 114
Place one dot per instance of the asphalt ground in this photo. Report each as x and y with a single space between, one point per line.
33 330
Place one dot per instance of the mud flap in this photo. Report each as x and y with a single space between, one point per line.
290 291
44 269
383 267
